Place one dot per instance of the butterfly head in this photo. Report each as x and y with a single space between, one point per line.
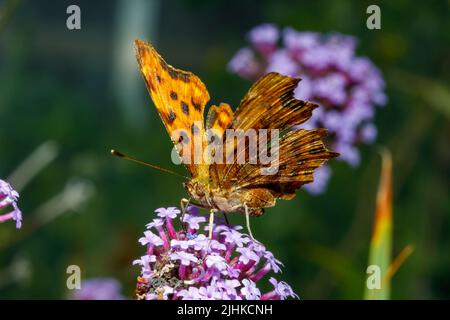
195 188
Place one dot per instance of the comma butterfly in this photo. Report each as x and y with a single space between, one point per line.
235 186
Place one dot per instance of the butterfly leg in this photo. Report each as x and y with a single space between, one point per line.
247 220
211 223
226 219
184 203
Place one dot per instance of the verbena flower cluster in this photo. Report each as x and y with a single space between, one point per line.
8 204
99 289
347 87
182 263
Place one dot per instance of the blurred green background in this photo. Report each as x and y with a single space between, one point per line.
82 91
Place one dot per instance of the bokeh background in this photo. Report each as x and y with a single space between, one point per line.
68 97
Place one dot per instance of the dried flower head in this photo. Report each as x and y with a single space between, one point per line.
185 264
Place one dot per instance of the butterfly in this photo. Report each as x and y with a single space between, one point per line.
180 98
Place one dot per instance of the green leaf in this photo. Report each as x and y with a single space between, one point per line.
378 284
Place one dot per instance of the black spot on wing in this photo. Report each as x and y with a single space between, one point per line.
171 116
196 105
220 123
212 117
183 138
173 74
185 77
185 108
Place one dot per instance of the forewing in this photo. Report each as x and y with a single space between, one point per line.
180 98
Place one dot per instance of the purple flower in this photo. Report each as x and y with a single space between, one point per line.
155 223
145 260
216 261
235 237
282 289
229 266
282 62
357 112
321 177
273 262
342 48
170 212
232 272
244 63
332 120
211 292
347 87
190 294
229 286
99 289
304 91
360 68
264 37
8 204
317 59
151 238
184 257
331 87
183 244
250 291
146 263
368 133
193 221
247 255
297 42
349 153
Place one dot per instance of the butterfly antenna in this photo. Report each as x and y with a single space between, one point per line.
127 157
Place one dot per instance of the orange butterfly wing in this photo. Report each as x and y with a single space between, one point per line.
219 117
218 120
180 98
270 104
